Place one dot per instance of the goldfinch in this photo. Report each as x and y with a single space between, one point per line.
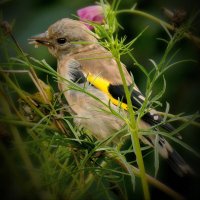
83 61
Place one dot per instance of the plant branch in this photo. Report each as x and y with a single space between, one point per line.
134 135
183 119
188 35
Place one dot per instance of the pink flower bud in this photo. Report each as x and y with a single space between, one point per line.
91 13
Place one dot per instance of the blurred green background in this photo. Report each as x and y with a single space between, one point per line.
183 81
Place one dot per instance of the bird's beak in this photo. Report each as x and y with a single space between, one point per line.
40 39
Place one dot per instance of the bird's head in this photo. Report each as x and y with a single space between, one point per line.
65 36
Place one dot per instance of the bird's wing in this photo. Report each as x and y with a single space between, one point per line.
117 96
115 92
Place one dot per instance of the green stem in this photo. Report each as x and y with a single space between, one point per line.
21 94
183 119
134 134
194 39
25 123
33 73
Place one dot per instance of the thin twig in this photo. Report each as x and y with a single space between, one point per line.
190 36
183 119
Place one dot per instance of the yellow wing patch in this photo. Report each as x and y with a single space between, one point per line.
103 85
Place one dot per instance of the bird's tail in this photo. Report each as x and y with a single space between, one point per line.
176 162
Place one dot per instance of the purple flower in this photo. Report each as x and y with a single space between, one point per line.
91 13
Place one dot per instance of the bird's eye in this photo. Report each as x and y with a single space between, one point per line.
61 40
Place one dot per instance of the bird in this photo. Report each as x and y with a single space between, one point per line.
83 61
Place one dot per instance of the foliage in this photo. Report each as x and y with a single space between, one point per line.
41 146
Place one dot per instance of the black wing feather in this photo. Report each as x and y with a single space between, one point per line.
117 92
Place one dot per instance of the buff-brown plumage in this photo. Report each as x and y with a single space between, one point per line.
78 55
